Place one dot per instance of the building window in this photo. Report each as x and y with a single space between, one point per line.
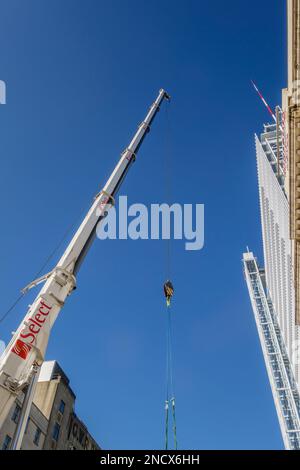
37 436
27 424
56 430
16 414
81 435
62 406
6 443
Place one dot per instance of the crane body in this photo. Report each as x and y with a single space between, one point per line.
25 353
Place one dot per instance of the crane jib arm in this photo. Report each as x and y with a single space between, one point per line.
28 345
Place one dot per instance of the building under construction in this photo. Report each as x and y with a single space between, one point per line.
275 289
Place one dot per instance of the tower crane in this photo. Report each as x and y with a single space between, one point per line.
25 353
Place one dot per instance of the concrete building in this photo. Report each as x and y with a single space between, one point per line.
36 429
53 423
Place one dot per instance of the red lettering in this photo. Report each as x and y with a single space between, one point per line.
46 306
20 347
35 322
43 313
38 318
28 335
33 329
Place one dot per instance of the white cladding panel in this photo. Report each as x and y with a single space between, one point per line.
277 252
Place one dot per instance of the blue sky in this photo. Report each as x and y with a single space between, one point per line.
80 76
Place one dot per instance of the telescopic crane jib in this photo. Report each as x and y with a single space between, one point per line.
22 358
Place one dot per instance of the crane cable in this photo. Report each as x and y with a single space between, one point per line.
168 292
170 397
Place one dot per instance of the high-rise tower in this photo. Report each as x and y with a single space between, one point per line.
272 290
275 291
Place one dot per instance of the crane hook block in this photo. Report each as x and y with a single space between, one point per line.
168 291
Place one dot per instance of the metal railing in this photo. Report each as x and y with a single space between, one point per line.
283 384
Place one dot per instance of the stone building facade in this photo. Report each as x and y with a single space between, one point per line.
52 423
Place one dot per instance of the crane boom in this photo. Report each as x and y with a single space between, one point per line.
26 350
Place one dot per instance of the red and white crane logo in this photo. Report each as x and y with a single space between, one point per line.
30 332
21 349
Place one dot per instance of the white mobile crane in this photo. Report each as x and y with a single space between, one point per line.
24 355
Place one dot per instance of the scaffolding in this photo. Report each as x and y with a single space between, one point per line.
281 377
273 144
